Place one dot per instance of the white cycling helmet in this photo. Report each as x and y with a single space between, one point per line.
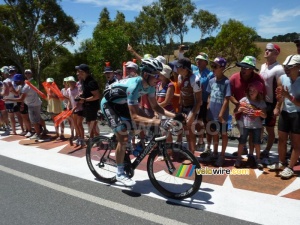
151 65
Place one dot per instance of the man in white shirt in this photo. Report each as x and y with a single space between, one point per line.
270 72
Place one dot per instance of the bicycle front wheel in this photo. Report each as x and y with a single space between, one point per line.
101 158
170 176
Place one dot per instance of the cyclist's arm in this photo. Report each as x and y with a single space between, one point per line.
135 116
157 108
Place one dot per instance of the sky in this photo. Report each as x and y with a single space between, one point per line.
268 17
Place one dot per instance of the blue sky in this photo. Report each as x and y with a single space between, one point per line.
267 17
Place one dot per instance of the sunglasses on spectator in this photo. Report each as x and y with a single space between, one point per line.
153 75
269 50
245 68
214 66
288 67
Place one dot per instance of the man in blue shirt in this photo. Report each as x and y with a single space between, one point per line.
205 75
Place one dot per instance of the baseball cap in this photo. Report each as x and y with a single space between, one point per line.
248 62
166 72
66 78
132 65
202 56
4 69
118 71
28 71
257 85
184 63
273 46
292 60
161 59
18 77
220 61
70 78
11 68
49 80
173 65
83 67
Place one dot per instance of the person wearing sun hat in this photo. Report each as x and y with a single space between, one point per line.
205 75
218 108
270 72
239 82
288 125
131 69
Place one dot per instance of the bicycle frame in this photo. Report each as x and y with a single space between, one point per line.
156 139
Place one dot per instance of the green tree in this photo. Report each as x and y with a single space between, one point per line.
109 43
32 32
234 41
205 21
177 13
151 23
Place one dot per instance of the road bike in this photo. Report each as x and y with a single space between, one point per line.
170 176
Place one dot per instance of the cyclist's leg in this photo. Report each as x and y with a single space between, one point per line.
114 113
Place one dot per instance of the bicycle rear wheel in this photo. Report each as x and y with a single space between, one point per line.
177 181
100 157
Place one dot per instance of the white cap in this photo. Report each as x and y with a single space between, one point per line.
166 72
71 78
161 59
50 80
132 65
28 71
292 60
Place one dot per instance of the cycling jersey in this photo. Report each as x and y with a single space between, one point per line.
189 86
127 91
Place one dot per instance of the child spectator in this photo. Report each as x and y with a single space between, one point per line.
218 108
77 116
54 107
253 108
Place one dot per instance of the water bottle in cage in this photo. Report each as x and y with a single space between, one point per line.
138 149
129 146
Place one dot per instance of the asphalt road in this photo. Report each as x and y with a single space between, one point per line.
35 195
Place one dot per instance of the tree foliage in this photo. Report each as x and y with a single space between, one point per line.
235 41
109 43
177 13
205 21
33 32
152 25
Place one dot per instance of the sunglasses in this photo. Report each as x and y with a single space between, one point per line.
156 76
288 67
179 66
215 66
269 50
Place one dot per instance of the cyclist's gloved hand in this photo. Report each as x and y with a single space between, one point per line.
166 124
180 117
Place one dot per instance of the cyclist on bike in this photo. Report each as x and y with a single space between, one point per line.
121 108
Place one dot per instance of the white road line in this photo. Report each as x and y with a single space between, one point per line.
91 198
